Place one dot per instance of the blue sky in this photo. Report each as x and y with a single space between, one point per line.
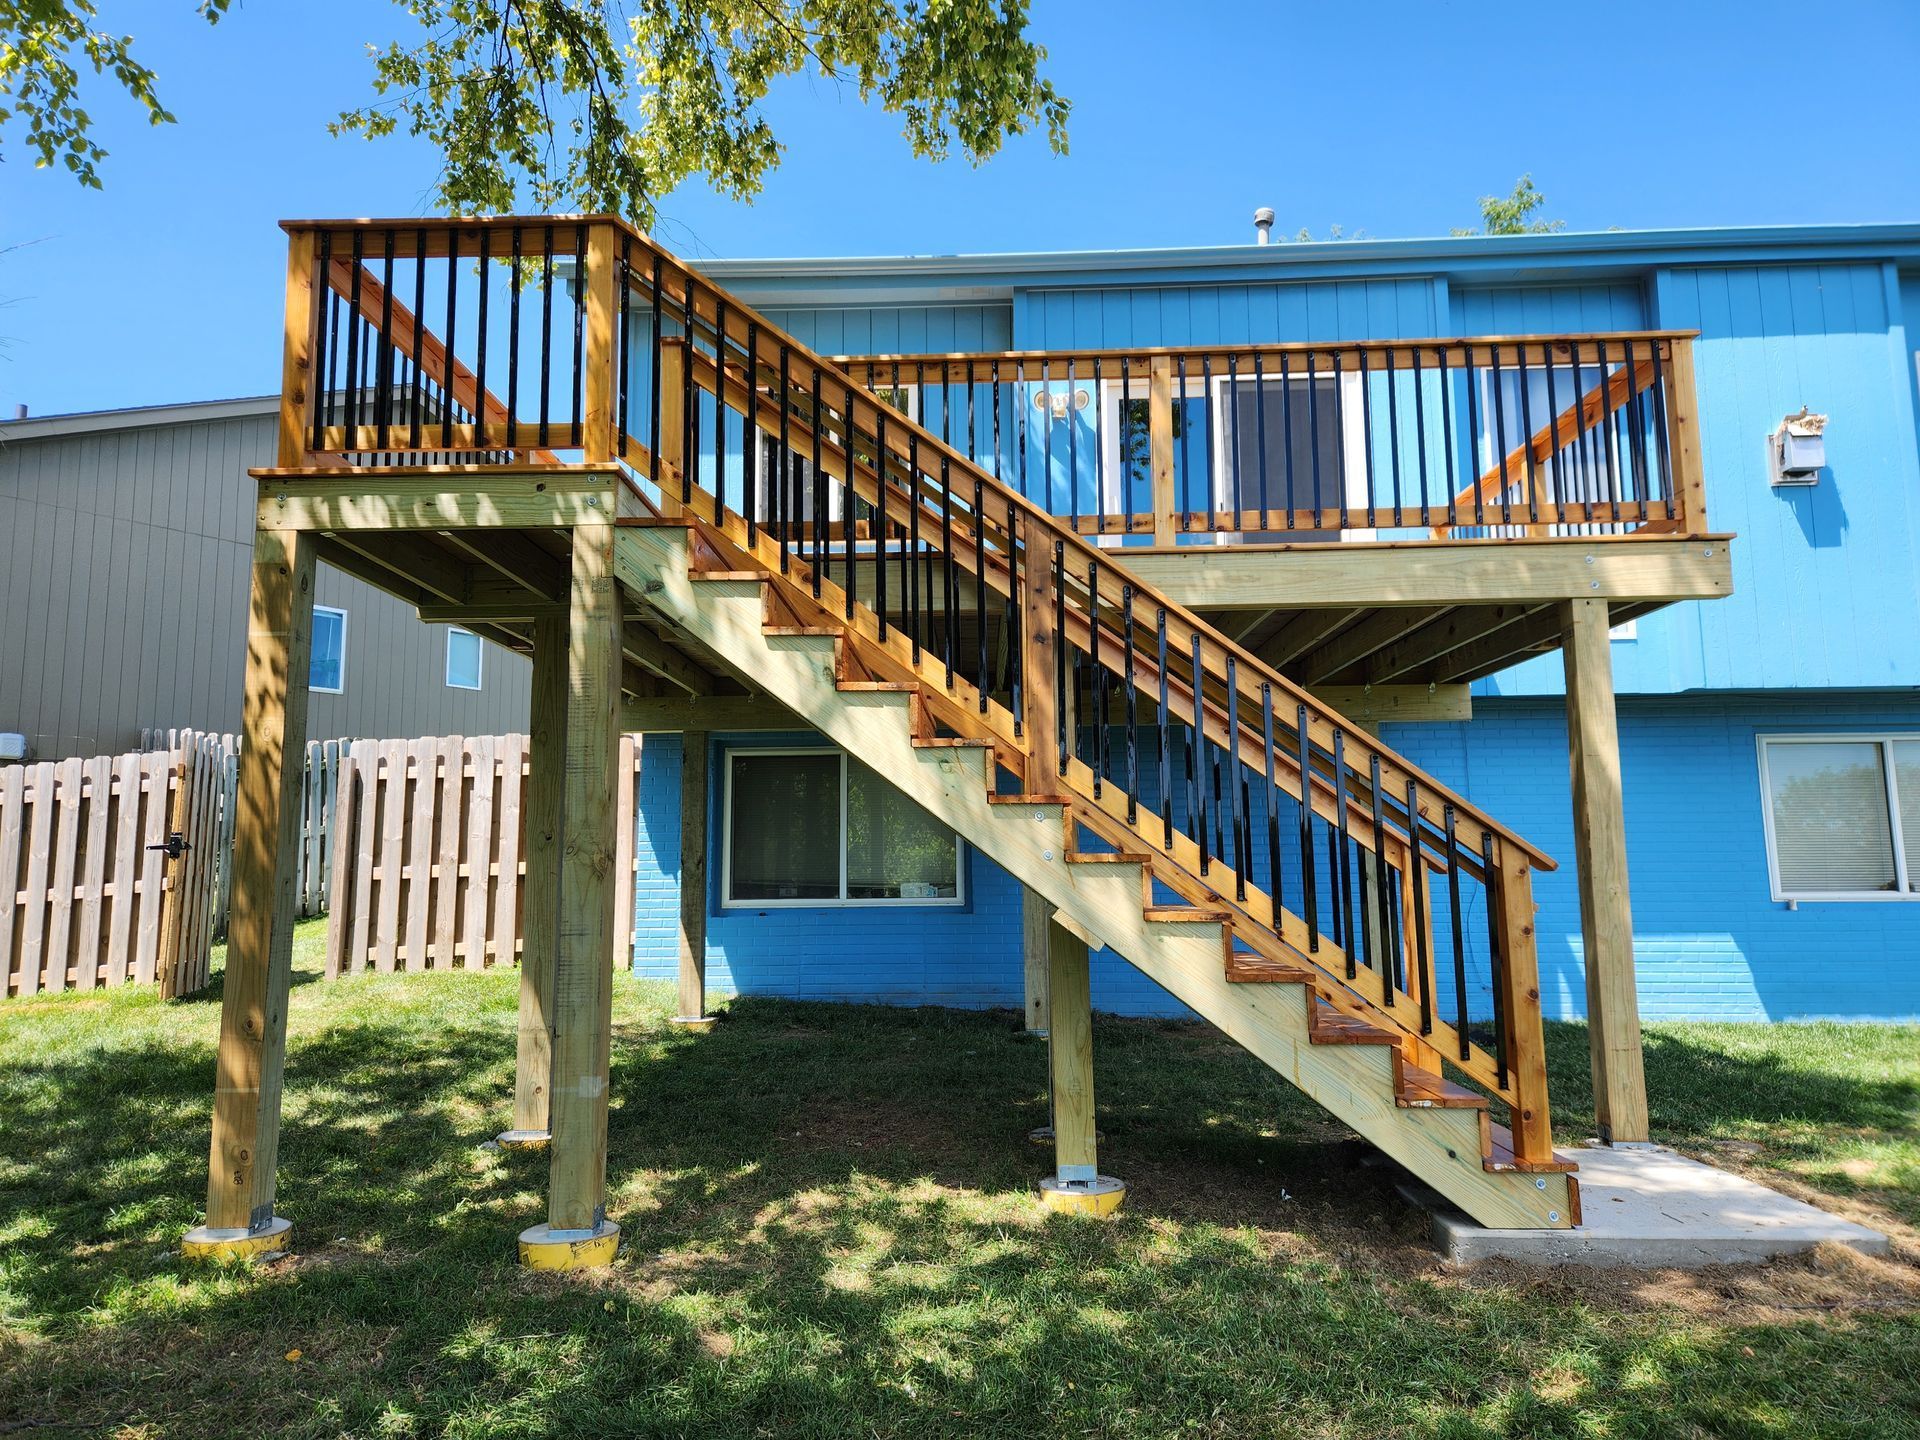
1388 117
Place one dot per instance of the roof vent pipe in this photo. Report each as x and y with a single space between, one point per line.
1262 225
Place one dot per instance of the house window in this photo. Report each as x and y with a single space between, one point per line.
327 669
463 660
816 827
1282 440
1842 816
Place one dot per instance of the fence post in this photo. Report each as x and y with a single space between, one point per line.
1510 892
1039 656
598 418
1683 441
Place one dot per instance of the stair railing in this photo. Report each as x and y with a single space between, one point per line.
1317 843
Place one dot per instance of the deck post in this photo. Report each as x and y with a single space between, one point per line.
577 1233
540 892
1036 918
1600 853
693 882
251 1062
1076 1184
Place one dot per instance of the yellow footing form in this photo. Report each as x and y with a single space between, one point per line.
522 1139
203 1242
1099 1197
545 1248
698 1024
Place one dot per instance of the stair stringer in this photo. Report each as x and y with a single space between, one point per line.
1354 1082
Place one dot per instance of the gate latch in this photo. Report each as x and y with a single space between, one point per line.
175 847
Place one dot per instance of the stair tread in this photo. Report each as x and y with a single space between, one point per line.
1245 967
1415 1088
947 742
755 575
1108 857
1500 1155
1027 800
1333 1027
1166 913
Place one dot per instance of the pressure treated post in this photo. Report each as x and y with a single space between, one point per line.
693 882
1036 919
252 1056
1160 448
251 1061
1041 696
540 890
1600 846
1076 1184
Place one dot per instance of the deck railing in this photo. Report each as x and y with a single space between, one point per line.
1319 844
1495 437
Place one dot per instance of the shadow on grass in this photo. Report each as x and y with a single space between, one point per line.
829 1231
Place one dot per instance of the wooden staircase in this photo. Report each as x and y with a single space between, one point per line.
871 700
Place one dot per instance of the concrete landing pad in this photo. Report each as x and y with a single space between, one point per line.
1649 1207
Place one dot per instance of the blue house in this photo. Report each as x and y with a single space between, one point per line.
1769 738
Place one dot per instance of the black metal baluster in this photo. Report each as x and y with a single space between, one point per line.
1526 437
1133 711
984 678
513 342
1166 715
1177 410
1417 879
1386 948
1199 812
1344 873
1123 447
1605 420
1096 680
750 453
1556 471
948 584
353 346
1313 433
1016 632
1206 431
1073 451
1019 423
719 409
1271 797
850 502
689 402
1500 440
1459 933
576 426
323 350
1446 431
383 369
1496 962
1234 482
1233 772
1366 434
881 538
1393 426
782 479
1060 650
1660 429
1260 438
1310 892
993 380
546 331
658 326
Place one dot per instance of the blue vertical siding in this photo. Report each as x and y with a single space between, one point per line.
1820 572
897 329
1119 318
1545 309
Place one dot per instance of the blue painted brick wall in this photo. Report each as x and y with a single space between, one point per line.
1709 940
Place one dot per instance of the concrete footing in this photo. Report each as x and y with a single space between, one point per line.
203 1242
545 1248
522 1139
698 1024
1651 1208
1100 1196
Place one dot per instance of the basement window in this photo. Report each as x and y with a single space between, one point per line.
463 660
1842 816
327 668
816 827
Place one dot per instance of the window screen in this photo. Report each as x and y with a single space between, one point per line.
1831 833
1276 429
895 850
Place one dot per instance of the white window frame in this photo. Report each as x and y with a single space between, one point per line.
1901 893
480 662
842 902
1353 438
341 688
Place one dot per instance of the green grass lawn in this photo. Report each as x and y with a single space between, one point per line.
831 1232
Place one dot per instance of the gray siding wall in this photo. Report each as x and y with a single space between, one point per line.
123 591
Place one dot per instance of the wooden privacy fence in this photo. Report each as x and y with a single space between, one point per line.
90 893
428 853
316 817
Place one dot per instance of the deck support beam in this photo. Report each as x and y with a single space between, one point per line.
1077 1184
693 882
540 895
577 1233
1600 853
1036 919
252 1057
